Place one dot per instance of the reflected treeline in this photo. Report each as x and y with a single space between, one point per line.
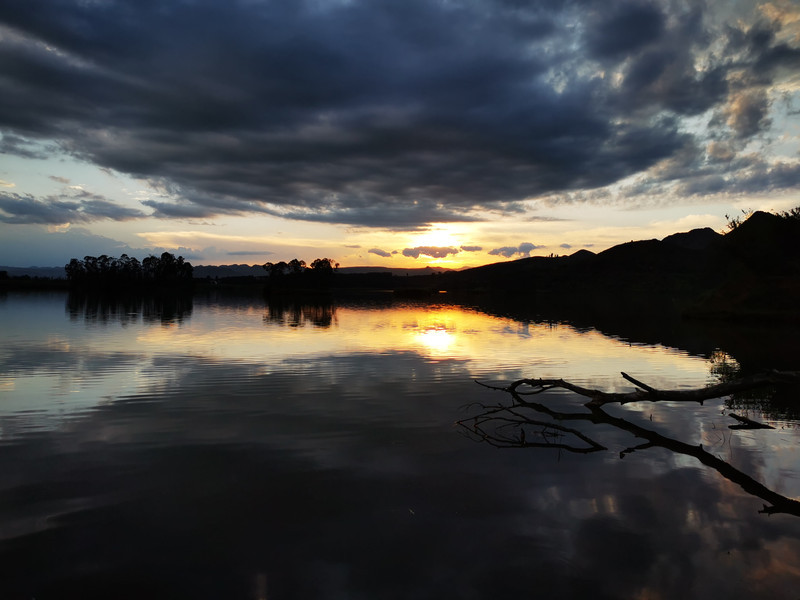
129 308
317 312
776 401
517 426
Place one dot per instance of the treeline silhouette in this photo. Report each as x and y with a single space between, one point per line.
126 271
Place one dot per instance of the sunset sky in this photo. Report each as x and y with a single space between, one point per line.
398 133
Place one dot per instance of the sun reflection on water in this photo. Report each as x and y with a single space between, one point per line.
435 332
436 340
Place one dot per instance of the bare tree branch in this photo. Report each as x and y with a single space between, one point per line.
650 394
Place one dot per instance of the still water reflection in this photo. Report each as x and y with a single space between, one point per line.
237 449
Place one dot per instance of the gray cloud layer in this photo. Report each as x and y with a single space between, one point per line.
79 207
390 114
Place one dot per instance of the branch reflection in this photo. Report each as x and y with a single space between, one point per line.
516 426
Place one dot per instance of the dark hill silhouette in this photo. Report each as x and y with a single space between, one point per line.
766 242
696 239
751 272
760 263
581 255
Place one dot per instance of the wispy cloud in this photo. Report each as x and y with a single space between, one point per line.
432 251
379 252
524 249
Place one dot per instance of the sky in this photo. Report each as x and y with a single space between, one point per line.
400 133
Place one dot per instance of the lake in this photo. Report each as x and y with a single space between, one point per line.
235 448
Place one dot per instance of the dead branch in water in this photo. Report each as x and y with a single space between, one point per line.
646 393
507 426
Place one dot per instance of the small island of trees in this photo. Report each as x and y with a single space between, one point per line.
108 272
296 275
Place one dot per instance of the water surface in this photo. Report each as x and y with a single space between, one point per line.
240 449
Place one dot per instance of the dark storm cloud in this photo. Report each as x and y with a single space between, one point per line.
81 207
376 113
524 249
625 29
379 252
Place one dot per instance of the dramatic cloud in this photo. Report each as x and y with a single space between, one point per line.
432 251
524 249
379 252
390 114
471 248
81 207
747 113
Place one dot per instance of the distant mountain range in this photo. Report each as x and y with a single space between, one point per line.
43 272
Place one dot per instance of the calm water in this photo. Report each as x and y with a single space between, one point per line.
231 449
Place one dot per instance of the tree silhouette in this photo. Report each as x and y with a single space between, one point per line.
324 265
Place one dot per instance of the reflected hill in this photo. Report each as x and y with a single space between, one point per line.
755 344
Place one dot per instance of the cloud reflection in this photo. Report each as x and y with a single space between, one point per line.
237 446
